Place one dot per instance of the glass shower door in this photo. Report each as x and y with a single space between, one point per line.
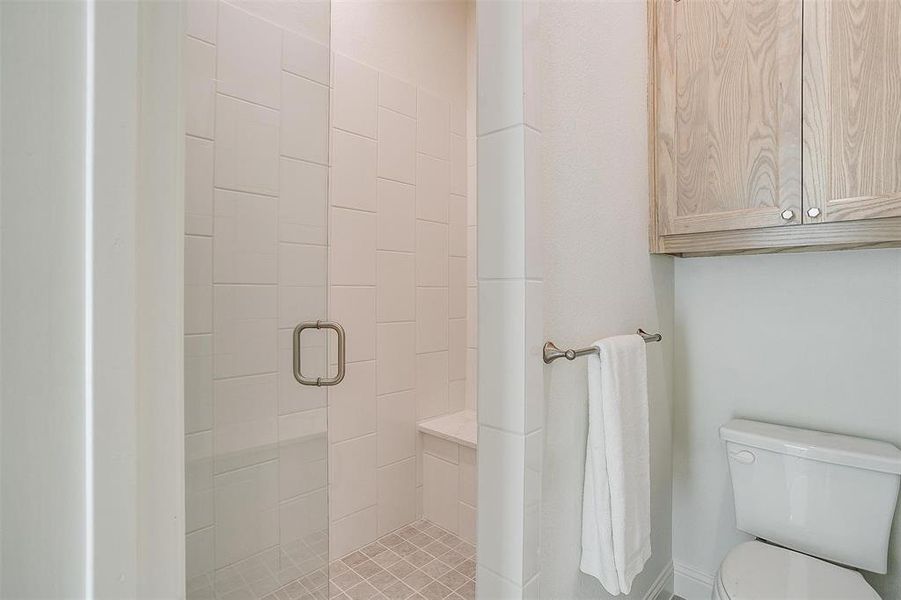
256 247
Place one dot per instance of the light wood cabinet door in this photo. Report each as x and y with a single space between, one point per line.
852 109
727 114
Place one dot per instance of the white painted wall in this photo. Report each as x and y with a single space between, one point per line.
91 478
808 340
42 347
599 277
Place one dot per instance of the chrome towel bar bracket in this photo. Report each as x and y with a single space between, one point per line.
552 352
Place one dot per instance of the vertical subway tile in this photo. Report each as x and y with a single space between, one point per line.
356 97
303 202
500 526
396 357
352 406
432 188
244 329
245 425
431 254
457 287
501 227
396 495
353 242
396 426
198 186
198 284
293 397
245 247
431 319
433 125
501 354
246 147
396 286
396 146
354 308
200 19
500 70
439 492
303 119
431 384
352 467
354 167
249 53
305 57
199 87
396 216
397 95
198 383
457 226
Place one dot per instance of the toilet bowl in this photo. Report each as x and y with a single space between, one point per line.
761 571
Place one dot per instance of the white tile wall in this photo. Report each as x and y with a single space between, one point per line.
396 216
352 247
304 202
256 256
198 186
246 146
397 146
245 245
249 57
355 309
304 134
432 188
396 357
449 482
396 286
397 95
354 168
356 97
200 87
200 20
396 495
396 427
352 468
302 56
351 405
393 219
508 365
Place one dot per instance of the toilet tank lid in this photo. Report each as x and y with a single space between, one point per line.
832 448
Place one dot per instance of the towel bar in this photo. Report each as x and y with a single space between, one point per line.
552 352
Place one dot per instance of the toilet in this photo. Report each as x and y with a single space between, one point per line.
820 506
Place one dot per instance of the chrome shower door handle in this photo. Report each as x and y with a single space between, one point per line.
342 342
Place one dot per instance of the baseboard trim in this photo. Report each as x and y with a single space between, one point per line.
691 583
658 590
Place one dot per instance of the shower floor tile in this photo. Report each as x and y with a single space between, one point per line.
420 561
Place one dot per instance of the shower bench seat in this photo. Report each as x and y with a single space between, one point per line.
448 459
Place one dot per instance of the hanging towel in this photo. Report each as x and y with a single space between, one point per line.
616 500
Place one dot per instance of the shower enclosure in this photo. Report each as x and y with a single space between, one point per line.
327 169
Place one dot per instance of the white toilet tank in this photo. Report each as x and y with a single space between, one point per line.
831 496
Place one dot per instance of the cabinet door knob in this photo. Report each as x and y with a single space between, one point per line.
788 214
813 212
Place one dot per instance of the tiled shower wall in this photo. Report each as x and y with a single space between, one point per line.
399 284
257 102
259 201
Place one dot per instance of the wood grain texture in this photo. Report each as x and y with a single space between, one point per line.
852 108
728 113
856 234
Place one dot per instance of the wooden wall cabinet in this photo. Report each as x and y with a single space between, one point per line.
774 125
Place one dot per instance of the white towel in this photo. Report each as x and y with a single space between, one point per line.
616 501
